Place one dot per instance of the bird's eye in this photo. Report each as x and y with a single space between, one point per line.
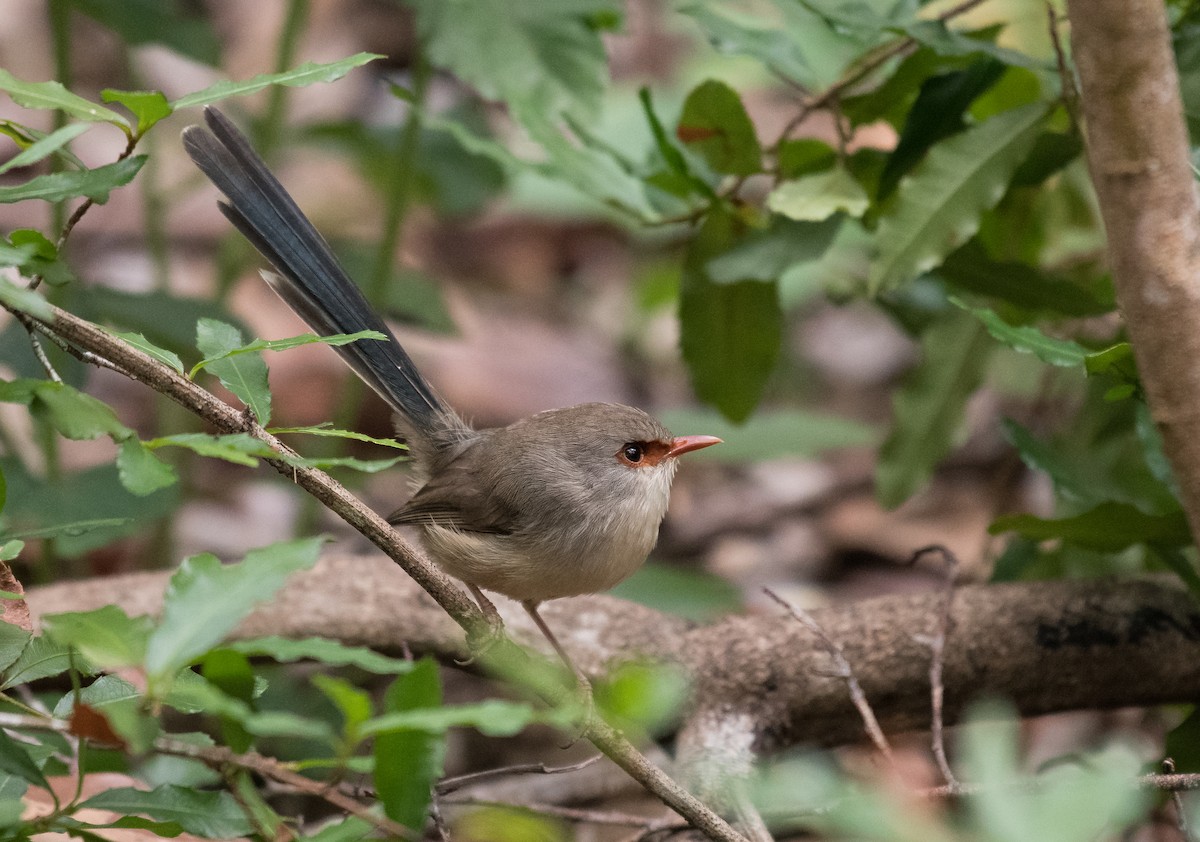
633 452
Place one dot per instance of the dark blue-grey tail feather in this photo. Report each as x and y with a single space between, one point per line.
310 280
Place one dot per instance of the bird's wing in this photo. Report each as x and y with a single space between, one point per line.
457 498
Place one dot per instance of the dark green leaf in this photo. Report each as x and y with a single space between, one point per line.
74 414
803 156
244 375
409 762
15 760
1110 527
770 435
1024 286
142 472
310 73
937 207
1051 152
929 407
936 115
212 815
729 333
675 160
232 674
166 320
353 704
177 26
1174 560
96 183
149 107
684 592
1028 339
716 125
320 649
13 640
943 40
106 636
206 600
52 95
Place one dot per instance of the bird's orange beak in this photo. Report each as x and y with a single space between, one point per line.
686 444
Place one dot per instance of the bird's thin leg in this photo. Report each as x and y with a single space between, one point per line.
585 686
481 643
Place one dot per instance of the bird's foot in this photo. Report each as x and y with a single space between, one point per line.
586 701
481 638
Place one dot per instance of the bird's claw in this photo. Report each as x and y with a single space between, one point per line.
482 638
587 710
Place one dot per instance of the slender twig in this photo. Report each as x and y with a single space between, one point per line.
576 814
1070 93
842 671
1177 802
505 657
36 345
937 650
448 785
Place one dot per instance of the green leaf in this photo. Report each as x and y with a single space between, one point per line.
206 600
729 333
24 300
15 760
937 207
817 197
929 406
688 593
166 320
716 125
310 73
142 472
52 95
544 56
95 183
367 466
1027 339
104 691
181 27
408 762
353 704
107 636
13 641
285 344
492 718
327 430
770 435
1108 527
11 549
674 158
40 658
238 448
76 415
212 815
244 375
766 255
147 347
149 107
939 37
936 115
44 146
1027 287
320 649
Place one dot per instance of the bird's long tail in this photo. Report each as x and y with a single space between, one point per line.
310 279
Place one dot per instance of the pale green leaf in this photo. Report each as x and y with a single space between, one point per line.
816 197
44 146
150 349
244 375
95 183
107 636
142 472
52 95
286 344
310 73
321 649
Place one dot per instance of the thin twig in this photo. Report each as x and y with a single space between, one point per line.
937 660
36 345
1070 92
1177 800
843 671
448 785
575 814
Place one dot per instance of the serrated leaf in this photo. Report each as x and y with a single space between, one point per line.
310 73
206 600
244 375
285 344
1027 339
142 472
15 760
327 429
714 123
41 657
95 183
149 107
44 147
147 347
817 197
937 207
929 406
1108 527
287 650
212 815
730 333
52 95
76 415
107 636
409 762
238 448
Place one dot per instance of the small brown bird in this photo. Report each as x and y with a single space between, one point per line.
561 503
